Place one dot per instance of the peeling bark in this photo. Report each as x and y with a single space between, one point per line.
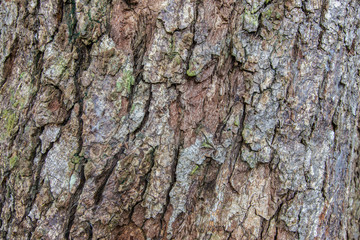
179 119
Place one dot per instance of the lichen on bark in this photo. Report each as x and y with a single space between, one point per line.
179 119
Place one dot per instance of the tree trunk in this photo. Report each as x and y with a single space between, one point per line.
180 119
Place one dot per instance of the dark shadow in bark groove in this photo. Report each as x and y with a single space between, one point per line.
82 64
104 177
9 62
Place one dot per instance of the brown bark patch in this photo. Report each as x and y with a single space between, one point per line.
123 25
54 105
124 106
138 215
174 114
152 228
130 232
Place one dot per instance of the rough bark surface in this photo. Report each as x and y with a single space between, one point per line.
179 119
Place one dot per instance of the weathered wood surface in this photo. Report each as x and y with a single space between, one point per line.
179 119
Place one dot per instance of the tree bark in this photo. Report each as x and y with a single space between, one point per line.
179 119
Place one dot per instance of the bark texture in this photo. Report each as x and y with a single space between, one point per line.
179 119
